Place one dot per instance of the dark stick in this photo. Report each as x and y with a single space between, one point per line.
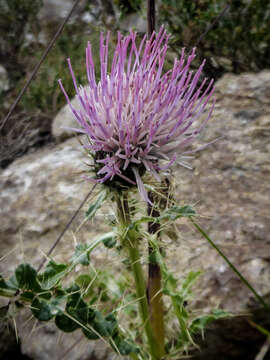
154 293
151 17
57 34
66 227
64 356
219 16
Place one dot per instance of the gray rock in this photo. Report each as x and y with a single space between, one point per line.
63 121
134 21
46 203
56 9
9 347
49 344
229 185
4 81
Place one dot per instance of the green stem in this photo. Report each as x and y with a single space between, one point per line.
172 292
134 356
130 242
154 286
241 277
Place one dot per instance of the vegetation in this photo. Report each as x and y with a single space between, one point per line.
239 41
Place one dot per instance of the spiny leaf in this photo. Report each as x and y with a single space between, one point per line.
105 326
123 347
52 274
27 296
6 289
201 322
12 282
101 326
176 212
90 213
26 277
189 281
77 308
66 324
41 310
110 242
46 307
81 255
126 348
83 281
90 334
90 247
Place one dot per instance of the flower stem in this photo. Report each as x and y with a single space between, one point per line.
130 242
154 287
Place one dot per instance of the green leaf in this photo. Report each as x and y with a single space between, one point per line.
105 326
46 295
12 283
124 347
6 289
41 310
26 277
90 334
90 213
83 281
176 212
110 242
100 324
3 284
153 257
189 281
81 254
144 219
101 327
27 296
78 309
66 324
90 247
52 274
201 322
111 324
57 304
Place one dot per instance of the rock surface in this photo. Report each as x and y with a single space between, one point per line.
229 185
63 121
49 344
4 81
57 9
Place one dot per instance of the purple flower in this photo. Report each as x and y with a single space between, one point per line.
138 116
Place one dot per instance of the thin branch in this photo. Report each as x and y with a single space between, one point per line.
234 269
210 26
66 228
64 356
264 350
44 55
151 17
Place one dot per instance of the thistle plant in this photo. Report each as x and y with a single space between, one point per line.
139 120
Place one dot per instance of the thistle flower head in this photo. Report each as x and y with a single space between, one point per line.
138 117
